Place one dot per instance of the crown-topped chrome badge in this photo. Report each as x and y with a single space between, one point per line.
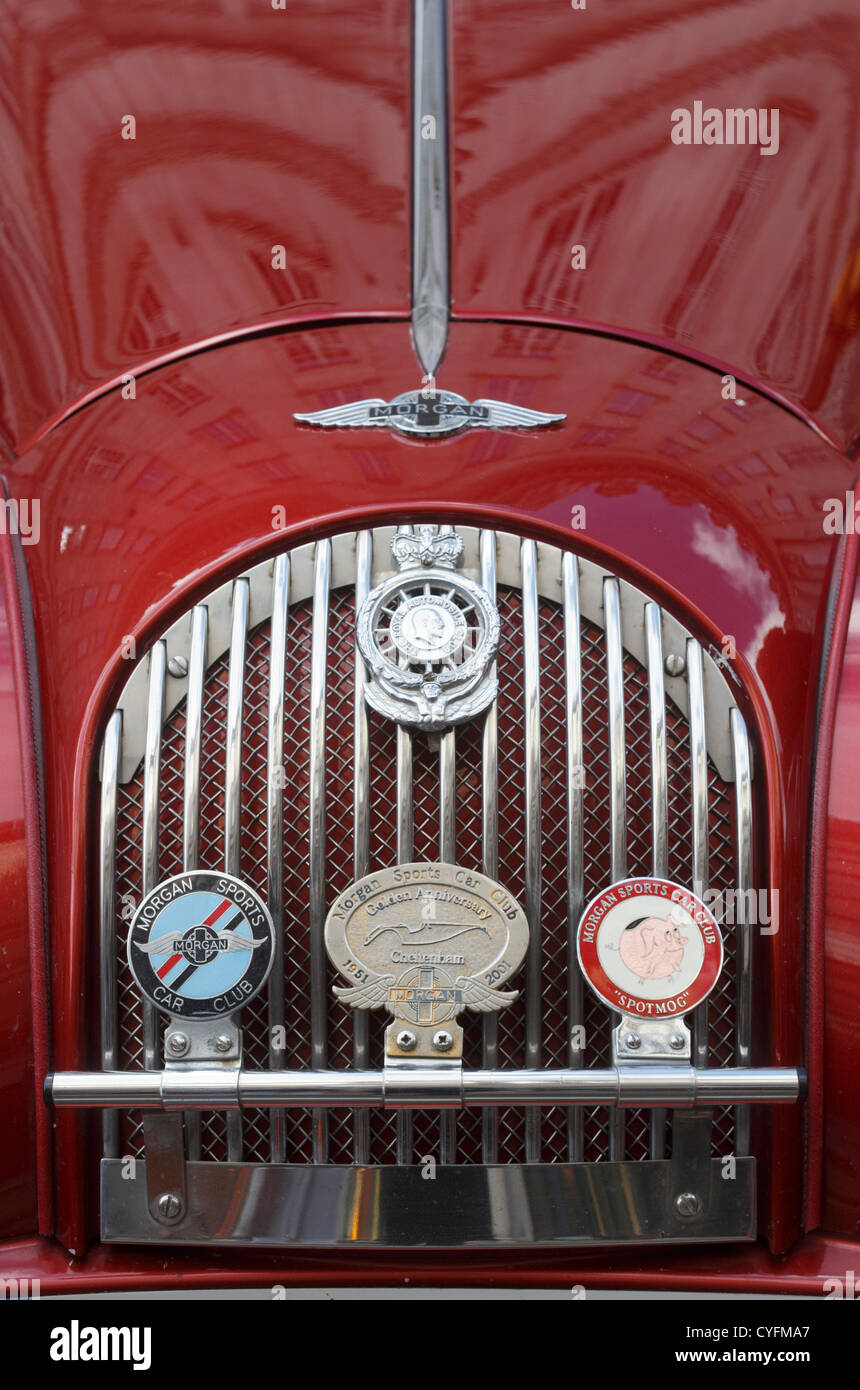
426 941
429 414
429 636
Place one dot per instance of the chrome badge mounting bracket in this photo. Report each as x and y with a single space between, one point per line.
429 636
426 941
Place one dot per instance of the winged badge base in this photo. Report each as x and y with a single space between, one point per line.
199 945
426 941
429 415
469 994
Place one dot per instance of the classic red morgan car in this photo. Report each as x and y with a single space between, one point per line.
430 646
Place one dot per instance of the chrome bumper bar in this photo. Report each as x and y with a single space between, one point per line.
413 1087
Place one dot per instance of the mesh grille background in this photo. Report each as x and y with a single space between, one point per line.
339 868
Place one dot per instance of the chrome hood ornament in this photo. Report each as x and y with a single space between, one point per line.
429 415
429 636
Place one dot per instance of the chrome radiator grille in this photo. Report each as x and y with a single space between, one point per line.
590 766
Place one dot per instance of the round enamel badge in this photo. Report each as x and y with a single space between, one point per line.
649 948
201 945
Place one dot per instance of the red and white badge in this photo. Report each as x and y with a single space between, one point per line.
649 948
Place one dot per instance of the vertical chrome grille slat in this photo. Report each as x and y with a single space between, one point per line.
233 781
657 710
404 852
107 920
405 836
317 842
659 795
617 780
490 848
275 837
361 826
615 714
405 818
698 766
743 851
193 734
575 863
191 790
235 706
699 828
531 713
447 803
448 855
151 788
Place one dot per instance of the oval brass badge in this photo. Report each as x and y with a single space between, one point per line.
426 941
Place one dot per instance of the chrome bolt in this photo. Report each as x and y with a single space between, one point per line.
442 1041
223 1042
406 1041
633 1042
676 1041
675 664
178 666
178 1044
687 1204
169 1205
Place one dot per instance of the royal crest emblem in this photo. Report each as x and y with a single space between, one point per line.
429 636
649 948
425 942
429 414
201 945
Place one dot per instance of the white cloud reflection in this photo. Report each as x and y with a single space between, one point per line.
745 574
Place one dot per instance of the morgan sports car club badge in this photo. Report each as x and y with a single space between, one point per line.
429 636
201 945
429 414
649 948
425 942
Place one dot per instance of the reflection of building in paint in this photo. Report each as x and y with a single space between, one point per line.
769 487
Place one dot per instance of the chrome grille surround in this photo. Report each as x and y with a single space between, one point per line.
593 764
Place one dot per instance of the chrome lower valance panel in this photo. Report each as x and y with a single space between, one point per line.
456 1206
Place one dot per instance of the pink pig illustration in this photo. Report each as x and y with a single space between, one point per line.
652 947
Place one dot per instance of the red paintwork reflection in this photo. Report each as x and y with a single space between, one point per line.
701 1269
711 506
842 952
255 128
258 128
562 137
18 1142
